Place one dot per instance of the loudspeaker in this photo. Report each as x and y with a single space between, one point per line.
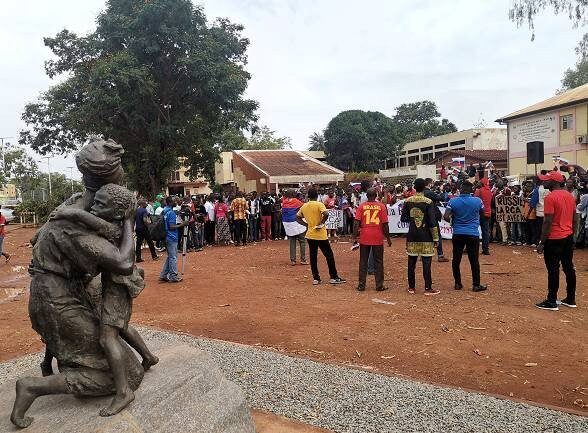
535 153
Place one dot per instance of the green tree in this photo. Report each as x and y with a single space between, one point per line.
357 140
264 138
578 75
155 77
19 168
525 11
316 141
34 192
419 120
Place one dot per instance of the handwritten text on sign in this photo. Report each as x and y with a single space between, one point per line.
335 220
398 227
509 209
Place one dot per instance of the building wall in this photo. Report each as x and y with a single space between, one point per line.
8 192
547 127
223 170
178 178
430 148
246 177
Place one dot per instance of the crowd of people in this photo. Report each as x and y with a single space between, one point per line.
469 197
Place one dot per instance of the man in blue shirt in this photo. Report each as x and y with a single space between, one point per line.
169 273
466 211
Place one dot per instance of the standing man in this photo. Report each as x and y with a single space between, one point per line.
266 207
209 223
371 221
485 194
466 211
240 210
294 231
557 240
2 236
254 217
142 219
537 203
169 273
422 237
313 216
436 199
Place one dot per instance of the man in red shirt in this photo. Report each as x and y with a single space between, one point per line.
485 194
557 241
2 236
371 221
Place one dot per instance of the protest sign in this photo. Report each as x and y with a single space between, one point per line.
398 227
509 209
335 220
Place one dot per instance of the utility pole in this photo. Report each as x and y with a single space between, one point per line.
49 172
71 178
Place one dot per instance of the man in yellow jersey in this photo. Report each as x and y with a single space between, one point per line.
313 215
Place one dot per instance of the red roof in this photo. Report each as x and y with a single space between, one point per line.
286 163
486 155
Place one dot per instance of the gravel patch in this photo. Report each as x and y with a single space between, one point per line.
352 401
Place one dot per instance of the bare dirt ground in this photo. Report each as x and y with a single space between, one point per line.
495 342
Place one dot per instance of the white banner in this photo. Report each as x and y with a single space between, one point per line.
335 220
398 227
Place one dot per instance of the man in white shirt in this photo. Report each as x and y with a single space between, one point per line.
253 217
209 223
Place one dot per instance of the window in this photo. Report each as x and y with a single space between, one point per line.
566 122
426 149
402 162
457 143
412 160
413 151
441 146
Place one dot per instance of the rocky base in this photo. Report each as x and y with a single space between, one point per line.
186 392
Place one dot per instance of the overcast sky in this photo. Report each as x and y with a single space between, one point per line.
311 59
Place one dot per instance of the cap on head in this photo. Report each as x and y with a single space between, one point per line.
555 176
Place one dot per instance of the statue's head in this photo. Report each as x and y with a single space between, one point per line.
113 203
99 161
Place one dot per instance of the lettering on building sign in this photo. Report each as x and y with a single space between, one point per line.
509 209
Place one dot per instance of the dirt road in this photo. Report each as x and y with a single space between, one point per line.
495 341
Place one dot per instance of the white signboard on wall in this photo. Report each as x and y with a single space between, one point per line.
543 127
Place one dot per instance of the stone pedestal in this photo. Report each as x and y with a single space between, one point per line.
186 392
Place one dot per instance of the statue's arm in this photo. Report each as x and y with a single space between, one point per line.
118 260
98 225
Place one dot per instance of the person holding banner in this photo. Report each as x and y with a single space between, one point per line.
422 237
294 231
465 211
371 222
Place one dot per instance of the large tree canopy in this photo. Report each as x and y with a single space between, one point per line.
359 140
419 120
155 77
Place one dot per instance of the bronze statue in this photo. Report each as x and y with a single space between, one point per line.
83 282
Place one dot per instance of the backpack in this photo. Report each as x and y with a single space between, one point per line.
157 229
